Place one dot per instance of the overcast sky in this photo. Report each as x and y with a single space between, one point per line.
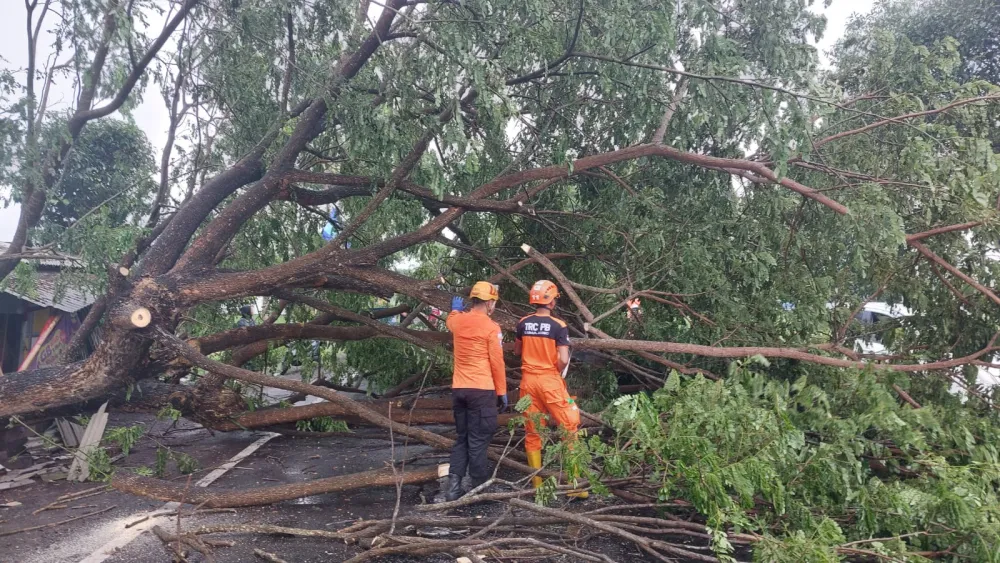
151 115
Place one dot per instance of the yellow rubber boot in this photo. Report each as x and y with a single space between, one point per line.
535 462
578 494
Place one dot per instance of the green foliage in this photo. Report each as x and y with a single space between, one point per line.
596 387
730 252
523 404
169 412
546 492
807 457
125 436
322 424
160 465
99 464
185 463
832 458
22 279
99 461
109 169
972 24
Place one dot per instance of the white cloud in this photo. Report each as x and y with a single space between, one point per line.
837 15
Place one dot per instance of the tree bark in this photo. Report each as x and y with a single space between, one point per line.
248 335
167 491
111 367
270 417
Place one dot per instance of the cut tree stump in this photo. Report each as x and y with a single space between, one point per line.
131 317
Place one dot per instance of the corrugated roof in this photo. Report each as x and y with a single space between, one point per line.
44 293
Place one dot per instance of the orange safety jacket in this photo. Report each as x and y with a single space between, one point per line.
478 353
540 336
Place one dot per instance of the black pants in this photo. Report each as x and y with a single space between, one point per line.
475 421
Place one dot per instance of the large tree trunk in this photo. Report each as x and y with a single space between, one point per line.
111 368
167 491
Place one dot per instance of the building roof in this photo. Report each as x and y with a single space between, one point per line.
47 293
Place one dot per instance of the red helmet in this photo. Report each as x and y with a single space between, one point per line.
543 292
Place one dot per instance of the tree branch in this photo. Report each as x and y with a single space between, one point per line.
220 230
81 118
178 347
958 273
883 122
564 283
942 230
403 170
707 78
549 67
286 80
175 117
771 352
432 228
297 331
347 186
419 338
679 92
502 272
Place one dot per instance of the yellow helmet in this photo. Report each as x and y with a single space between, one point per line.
485 291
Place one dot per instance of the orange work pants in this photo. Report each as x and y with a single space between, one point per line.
548 397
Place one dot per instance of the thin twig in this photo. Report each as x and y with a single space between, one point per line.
53 524
81 494
71 498
268 556
645 543
406 443
174 513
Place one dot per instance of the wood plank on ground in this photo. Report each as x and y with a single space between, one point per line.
80 468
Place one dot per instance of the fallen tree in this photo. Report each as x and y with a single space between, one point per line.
438 154
176 269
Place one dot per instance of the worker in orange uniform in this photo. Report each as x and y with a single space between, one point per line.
478 387
634 316
543 344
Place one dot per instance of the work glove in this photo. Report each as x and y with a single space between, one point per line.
457 304
502 403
